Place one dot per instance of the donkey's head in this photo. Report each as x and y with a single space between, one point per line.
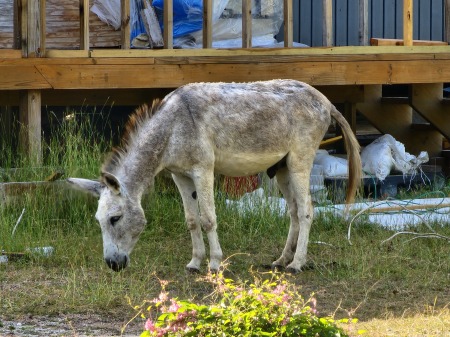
121 218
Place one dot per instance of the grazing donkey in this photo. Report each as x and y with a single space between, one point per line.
234 129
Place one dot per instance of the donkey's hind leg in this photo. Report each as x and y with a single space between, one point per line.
291 242
189 195
294 184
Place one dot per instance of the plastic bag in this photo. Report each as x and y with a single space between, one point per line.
332 166
386 154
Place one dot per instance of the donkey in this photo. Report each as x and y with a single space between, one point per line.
203 129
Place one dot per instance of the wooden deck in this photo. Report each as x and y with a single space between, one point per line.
354 76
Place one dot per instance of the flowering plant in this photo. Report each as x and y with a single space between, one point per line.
264 308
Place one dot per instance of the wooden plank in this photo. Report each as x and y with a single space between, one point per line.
125 24
246 23
174 75
168 24
10 53
408 22
54 53
399 42
288 24
207 23
23 77
426 100
327 39
382 52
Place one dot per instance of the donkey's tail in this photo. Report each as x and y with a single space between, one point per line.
354 159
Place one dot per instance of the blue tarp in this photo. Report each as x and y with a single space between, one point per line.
187 16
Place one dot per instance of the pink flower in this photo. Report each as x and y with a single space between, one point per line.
279 289
150 326
174 306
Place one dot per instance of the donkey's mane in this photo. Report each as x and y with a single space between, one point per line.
135 121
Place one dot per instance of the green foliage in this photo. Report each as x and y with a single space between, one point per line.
270 307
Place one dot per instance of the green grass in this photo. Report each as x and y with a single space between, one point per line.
364 280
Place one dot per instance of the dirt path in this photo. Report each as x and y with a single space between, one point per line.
71 325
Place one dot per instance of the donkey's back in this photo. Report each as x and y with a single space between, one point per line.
245 128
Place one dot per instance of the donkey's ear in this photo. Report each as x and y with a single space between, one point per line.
91 186
111 181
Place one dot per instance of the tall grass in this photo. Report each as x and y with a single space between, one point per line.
366 279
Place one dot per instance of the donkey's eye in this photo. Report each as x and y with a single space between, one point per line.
114 219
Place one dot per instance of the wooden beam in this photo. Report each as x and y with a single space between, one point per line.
207 23
408 22
168 24
246 23
288 24
125 24
426 99
396 119
30 122
399 42
84 24
364 22
327 38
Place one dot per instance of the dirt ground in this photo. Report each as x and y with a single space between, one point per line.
71 325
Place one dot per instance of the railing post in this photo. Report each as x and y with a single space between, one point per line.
447 21
168 24
288 24
364 22
43 26
327 38
407 22
207 23
125 23
84 24
246 23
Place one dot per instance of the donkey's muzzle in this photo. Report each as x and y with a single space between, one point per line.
117 263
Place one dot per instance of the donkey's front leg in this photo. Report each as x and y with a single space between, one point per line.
189 195
204 182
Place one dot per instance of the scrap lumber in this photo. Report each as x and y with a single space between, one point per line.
152 27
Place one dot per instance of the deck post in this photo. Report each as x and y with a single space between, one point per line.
327 37
30 100
407 22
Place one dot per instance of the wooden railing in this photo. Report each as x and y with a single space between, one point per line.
31 18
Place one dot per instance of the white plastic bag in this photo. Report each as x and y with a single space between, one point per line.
332 166
386 154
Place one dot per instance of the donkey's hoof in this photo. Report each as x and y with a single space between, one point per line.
293 271
277 268
191 270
